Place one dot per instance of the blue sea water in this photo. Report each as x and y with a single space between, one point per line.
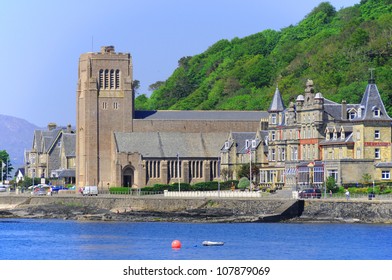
26 239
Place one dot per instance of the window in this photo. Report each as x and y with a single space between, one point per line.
294 153
104 105
385 175
358 152
253 143
247 144
227 145
195 169
273 154
333 173
376 134
376 112
273 118
273 135
115 105
352 115
153 169
174 168
106 79
117 79
101 78
283 154
377 153
358 135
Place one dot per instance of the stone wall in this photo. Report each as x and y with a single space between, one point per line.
262 209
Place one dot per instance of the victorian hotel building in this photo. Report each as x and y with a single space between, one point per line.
315 138
294 147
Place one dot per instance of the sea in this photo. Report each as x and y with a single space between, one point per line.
51 239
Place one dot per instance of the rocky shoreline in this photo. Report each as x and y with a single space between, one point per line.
87 213
197 210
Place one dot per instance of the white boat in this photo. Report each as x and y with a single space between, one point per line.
213 243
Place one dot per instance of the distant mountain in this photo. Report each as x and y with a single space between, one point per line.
16 137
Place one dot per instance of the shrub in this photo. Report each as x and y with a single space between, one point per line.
243 183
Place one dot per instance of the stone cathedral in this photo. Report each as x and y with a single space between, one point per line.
118 146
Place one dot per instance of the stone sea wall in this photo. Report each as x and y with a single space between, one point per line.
257 210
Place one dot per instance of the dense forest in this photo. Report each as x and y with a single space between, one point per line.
334 48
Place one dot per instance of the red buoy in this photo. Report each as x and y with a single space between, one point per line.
176 244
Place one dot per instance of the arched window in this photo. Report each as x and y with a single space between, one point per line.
101 78
117 79
106 79
111 79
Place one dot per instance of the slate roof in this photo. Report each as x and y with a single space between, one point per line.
277 102
169 144
383 165
201 115
44 139
370 100
65 173
69 142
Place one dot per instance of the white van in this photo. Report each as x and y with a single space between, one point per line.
90 190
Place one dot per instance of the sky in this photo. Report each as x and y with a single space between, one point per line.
42 42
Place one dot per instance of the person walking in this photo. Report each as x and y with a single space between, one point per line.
347 195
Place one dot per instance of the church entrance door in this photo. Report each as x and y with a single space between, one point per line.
128 177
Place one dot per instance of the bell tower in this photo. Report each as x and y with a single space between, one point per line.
104 104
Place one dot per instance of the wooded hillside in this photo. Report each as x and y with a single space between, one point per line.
333 48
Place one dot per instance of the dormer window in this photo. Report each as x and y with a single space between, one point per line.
335 136
246 144
352 115
342 135
376 112
253 143
227 145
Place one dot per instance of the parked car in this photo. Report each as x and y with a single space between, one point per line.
39 191
4 188
310 193
56 189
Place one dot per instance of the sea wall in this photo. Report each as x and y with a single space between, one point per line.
268 210
364 211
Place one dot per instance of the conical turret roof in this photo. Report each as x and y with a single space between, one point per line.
277 102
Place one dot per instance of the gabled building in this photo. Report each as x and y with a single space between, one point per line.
243 148
315 138
53 150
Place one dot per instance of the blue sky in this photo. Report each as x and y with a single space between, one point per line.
41 42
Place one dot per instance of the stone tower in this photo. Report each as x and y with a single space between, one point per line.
104 101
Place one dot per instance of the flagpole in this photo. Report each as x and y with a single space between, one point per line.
250 169
178 172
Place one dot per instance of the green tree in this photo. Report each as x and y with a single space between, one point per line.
155 85
331 184
5 164
135 86
243 183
